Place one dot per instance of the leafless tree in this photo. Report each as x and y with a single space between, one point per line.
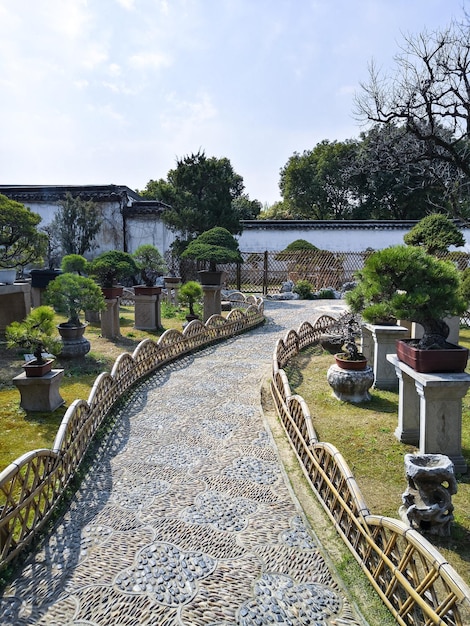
428 95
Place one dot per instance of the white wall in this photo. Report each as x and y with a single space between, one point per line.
339 239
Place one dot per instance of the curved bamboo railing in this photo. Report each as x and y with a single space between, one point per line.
31 486
413 579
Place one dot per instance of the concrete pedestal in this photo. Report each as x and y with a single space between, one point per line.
147 312
40 393
110 326
15 304
377 342
212 300
430 411
172 284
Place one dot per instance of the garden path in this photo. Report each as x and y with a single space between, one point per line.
186 517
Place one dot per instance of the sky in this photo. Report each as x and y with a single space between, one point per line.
115 91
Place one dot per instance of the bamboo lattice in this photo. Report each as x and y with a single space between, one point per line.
413 579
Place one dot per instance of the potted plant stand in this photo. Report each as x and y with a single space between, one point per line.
377 341
40 393
147 308
430 410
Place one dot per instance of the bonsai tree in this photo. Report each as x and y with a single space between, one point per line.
74 263
21 243
404 282
190 293
108 268
34 334
216 245
71 294
435 233
150 263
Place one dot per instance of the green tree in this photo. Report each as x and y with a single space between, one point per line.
200 193
317 184
20 241
427 95
76 224
435 233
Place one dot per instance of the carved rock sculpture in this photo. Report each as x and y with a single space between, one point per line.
427 501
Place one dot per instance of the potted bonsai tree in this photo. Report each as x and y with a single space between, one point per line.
108 268
72 294
216 245
190 293
350 358
404 282
151 265
35 334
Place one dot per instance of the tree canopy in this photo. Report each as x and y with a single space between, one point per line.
202 192
435 233
20 241
428 96
76 224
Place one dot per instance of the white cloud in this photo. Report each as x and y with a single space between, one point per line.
127 4
155 60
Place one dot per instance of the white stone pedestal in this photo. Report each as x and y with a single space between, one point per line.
377 342
430 411
40 393
212 300
147 312
110 326
172 284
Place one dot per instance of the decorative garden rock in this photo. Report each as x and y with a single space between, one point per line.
427 501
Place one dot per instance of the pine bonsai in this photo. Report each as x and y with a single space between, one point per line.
35 333
216 245
404 282
71 294
150 263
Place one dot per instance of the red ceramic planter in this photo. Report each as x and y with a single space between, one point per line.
452 359
33 370
347 364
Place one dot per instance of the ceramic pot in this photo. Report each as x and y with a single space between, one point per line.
69 333
8 276
112 292
35 370
144 290
346 364
451 359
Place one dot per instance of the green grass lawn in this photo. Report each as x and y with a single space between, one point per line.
364 434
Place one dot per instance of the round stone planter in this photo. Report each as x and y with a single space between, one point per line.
350 385
74 344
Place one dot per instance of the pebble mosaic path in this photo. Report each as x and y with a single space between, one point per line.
185 517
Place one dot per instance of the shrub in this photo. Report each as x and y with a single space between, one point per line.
304 289
326 294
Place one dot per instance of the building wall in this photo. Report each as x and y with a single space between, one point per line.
142 223
332 236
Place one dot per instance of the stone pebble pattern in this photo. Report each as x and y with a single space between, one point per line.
185 517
